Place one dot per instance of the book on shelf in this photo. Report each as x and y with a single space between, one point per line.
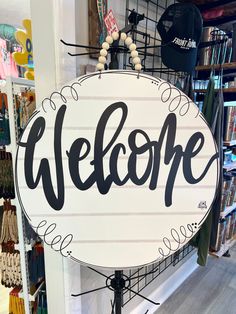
229 123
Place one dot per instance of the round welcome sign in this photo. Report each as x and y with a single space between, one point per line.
117 169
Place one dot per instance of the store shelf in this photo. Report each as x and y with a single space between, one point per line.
230 143
227 210
227 16
225 90
28 247
230 103
13 85
217 67
230 166
229 93
224 248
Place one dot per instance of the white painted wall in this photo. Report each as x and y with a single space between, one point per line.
14 11
51 21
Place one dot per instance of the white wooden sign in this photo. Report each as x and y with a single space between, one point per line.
117 169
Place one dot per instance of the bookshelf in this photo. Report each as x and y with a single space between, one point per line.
225 90
202 73
224 248
225 66
230 143
230 166
228 210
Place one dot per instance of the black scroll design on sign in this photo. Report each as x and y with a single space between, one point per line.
73 93
62 242
167 94
186 232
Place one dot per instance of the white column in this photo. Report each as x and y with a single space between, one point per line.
53 20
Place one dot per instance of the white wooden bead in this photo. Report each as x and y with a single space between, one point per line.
138 67
109 39
100 66
103 52
134 53
132 47
102 59
105 45
136 60
128 41
115 35
123 36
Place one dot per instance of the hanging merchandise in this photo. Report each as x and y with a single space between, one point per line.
212 110
9 231
6 176
16 304
180 28
229 123
102 11
7 64
9 257
10 269
25 58
97 10
4 121
40 305
7 32
36 263
25 106
188 86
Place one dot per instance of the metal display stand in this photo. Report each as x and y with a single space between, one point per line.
118 283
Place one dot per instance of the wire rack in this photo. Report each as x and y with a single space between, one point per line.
146 275
145 14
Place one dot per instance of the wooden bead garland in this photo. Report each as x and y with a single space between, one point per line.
129 43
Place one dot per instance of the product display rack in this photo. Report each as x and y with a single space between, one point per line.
222 72
146 275
228 210
225 66
11 85
230 143
144 15
225 90
230 166
224 248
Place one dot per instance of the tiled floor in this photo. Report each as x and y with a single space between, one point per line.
209 290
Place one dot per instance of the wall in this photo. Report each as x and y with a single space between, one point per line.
14 11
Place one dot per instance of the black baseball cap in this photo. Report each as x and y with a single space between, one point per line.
180 28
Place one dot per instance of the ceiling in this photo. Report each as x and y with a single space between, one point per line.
14 11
